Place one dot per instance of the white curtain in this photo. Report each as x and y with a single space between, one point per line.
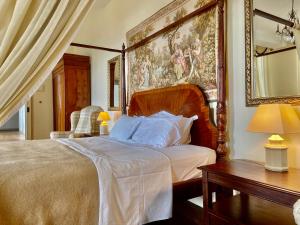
34 34
261 77
296 31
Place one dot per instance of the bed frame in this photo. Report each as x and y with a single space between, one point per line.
185 100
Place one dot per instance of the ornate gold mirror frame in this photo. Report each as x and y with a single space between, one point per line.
250 100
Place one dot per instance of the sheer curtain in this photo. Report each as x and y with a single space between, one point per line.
296 31
34 34
261 77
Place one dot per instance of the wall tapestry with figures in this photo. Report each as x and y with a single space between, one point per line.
186 54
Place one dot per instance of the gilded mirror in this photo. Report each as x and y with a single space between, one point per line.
272 60
114 83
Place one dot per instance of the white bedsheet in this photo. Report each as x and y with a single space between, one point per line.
186 158
135 182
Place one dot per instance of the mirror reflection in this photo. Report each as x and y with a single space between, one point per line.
114 83
276 70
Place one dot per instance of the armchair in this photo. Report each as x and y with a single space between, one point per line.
83 123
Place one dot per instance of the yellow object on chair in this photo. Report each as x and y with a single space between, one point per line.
104 117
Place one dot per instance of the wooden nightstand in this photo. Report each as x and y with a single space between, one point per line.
266 198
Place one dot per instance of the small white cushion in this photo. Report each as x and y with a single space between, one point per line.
125 127
163 114
185 125
157 132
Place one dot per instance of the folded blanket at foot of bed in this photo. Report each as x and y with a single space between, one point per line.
45 182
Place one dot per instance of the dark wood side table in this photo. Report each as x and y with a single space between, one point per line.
266 198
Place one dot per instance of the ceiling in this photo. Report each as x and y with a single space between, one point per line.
276 7
264 29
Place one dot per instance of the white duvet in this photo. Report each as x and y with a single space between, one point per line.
135 182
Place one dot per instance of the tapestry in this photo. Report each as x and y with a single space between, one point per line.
185 54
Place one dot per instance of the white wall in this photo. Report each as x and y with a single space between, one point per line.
12 123
22 119
107 27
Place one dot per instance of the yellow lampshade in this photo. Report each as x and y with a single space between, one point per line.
103 116
275 119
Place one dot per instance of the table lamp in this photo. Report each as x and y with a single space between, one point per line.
104 117
275 119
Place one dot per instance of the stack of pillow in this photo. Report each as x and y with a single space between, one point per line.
159 130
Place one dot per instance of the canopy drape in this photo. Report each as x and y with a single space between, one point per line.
34 34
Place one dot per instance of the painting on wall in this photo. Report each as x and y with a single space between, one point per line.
185 54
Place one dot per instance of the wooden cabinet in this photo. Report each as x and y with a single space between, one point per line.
71 88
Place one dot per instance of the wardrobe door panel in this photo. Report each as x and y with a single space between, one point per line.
59 100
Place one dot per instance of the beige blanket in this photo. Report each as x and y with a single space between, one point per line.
46 183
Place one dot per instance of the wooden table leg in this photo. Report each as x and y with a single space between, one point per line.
207 198
223 192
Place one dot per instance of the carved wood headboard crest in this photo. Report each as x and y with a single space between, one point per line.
187 100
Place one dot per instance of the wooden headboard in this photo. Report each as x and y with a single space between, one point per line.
186 100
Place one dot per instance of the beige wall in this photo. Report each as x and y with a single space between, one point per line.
283 73
107 27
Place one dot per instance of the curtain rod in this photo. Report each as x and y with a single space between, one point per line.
96 47
276 51
272 17
123 78
173 25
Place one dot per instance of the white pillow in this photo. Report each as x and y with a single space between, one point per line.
185 125
163 114
125 127
157 132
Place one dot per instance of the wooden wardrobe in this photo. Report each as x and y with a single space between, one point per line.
71 88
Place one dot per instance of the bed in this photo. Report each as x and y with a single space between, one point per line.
51 182
186 100
46 182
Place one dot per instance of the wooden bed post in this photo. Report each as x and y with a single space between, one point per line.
221 104
123 78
